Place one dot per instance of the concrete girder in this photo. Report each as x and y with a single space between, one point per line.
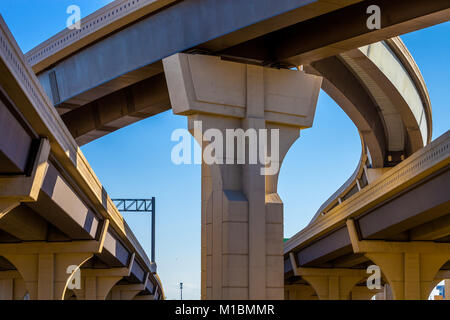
395 95
45 274
344 88
17 142
364 293
12 286
250 34
289 45
400 118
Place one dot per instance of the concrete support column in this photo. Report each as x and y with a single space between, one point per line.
242 214
12 286
410 275
45 274
299 292
144 297
96 287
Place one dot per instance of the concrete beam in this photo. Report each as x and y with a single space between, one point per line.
16 143
289 45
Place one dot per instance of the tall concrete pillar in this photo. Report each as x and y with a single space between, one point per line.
242 214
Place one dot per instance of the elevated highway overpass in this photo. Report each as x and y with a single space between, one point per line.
116 71
399 221
116 56
55 216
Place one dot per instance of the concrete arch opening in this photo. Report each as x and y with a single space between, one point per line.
337 283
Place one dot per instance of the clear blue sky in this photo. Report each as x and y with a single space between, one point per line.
317 164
